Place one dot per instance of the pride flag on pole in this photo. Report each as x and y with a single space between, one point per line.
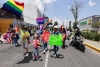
40 20
14 7
55 40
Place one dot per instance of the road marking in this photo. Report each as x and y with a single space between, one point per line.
47 57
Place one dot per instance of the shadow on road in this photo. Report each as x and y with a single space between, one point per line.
18 45
26 59
40 59
41 50
66 46
60 56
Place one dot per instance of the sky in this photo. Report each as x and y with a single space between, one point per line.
59 10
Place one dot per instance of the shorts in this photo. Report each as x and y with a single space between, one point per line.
25 44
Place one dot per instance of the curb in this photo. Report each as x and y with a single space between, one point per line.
92 47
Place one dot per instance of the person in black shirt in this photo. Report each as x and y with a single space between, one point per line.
77 33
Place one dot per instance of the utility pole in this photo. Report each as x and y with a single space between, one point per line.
44 9
63 23
67 23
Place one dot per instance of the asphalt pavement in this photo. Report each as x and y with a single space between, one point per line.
69 57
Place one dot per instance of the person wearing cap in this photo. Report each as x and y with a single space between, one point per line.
56 48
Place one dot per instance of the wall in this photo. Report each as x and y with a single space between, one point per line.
5 24
85 24
30 14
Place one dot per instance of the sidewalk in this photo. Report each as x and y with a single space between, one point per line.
93 43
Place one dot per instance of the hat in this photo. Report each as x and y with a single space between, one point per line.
55 26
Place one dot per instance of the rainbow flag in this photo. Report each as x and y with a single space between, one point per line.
13 7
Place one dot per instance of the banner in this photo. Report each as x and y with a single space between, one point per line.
56 40
45 36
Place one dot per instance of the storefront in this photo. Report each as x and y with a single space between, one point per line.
86 23
5 24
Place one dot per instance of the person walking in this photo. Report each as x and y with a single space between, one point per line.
16 37
64 37
36 43
25 40
56 48
45 43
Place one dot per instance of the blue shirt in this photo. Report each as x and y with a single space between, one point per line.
56 33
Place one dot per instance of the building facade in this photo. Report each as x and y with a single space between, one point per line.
6 21
86 23
30 14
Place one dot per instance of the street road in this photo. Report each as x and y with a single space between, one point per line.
69 57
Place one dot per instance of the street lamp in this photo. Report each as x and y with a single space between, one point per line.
67 22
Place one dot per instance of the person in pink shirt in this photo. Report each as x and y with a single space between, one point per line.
36 44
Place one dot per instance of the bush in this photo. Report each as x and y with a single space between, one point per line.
97 37
91 35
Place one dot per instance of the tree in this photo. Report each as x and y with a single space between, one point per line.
75 8
69 28
96 25
55 23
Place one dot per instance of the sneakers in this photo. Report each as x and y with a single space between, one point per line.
46 49
26 54
33 58
44 52
37 57
54 55
57 53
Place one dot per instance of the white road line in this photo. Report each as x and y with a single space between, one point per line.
47 57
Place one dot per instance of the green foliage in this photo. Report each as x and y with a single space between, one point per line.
75 25
95 25
91 36
69 28
55 23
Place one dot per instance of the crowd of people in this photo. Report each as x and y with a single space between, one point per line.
12 37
